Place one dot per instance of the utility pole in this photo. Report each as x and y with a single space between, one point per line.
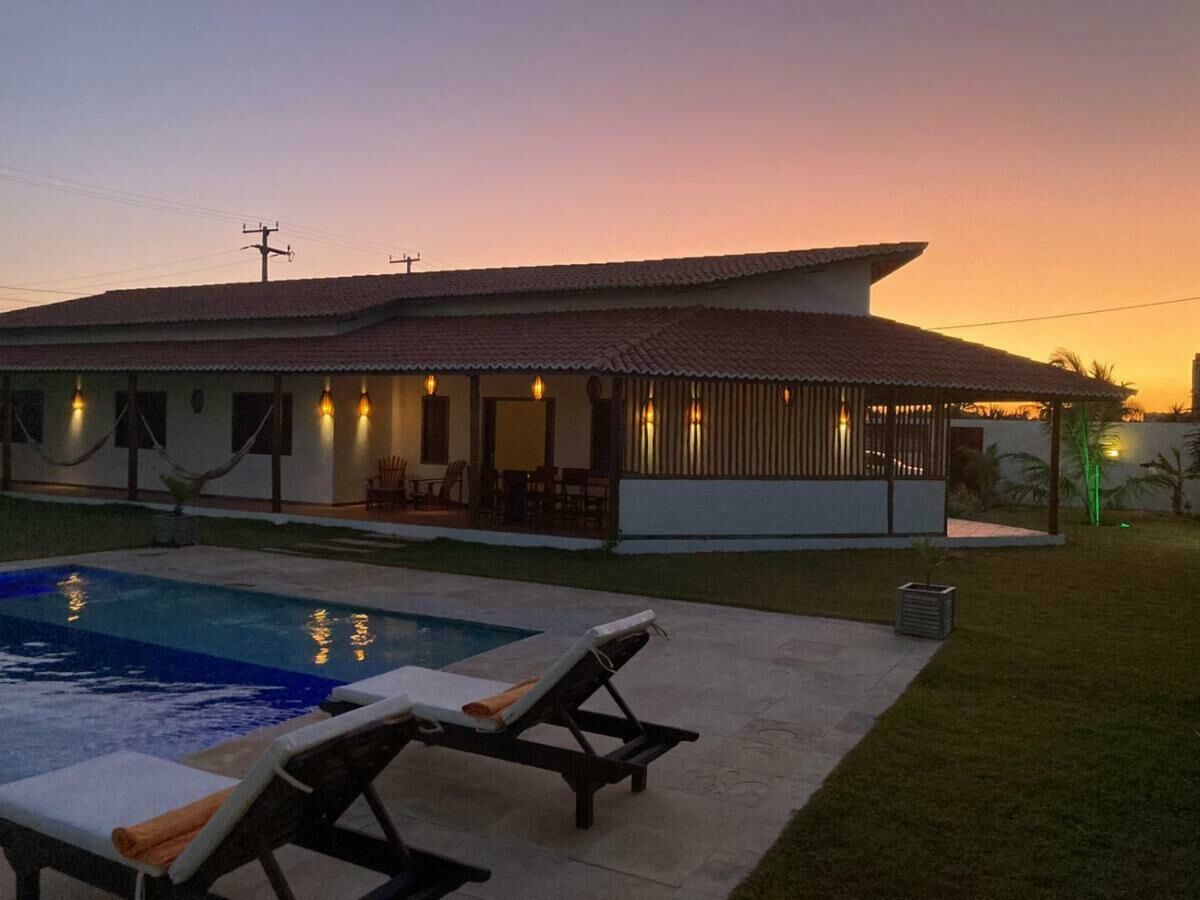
407 260
265 248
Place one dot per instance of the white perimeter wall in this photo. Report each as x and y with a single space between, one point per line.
1138 442
653 506
919 507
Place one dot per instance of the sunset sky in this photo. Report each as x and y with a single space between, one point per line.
1050 153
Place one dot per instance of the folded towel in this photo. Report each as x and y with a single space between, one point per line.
159 841
491 707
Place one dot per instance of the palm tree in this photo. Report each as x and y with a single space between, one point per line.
1088 430
1168 474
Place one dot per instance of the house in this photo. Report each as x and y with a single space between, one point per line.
725 401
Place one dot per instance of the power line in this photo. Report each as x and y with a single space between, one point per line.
162 204
36 302
1069 315
17 287
159 265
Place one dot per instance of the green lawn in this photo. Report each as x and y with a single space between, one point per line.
1052 747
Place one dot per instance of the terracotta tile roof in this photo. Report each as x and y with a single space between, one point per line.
349 296
688 342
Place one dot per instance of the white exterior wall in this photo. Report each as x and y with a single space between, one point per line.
729 507
919 507
198 441
1138 442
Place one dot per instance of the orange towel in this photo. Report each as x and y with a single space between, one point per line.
159 841
491 707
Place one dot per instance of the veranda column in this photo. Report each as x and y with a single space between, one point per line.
889 450
6 417
474 457
277 447
133 432
1055 457
616 453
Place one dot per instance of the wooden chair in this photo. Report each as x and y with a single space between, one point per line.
543 494
293 794
580 504
423 489
556 699
516 497
388 486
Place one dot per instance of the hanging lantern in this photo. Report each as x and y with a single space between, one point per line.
77 401
594 389
538 388
648 412
695 412
325 404
785 394
843 416
430 385
364 404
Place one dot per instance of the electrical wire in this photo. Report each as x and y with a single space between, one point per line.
1069 315
27 301
159 265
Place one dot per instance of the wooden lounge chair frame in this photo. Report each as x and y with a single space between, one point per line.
388 486
585 770
454 476
338 772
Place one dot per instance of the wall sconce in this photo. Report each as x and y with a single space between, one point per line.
843 416
594 389
695 412
430 384
198 401
785 394
538 388
1112 452
648 412
77 401
325 404
364 404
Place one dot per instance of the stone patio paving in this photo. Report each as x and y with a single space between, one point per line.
778 701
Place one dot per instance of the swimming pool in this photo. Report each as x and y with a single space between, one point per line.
93 660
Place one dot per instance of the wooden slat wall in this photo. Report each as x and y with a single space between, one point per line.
746 431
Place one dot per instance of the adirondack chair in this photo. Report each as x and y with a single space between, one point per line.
437 491
388 486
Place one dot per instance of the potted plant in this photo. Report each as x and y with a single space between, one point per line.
177 529
925 609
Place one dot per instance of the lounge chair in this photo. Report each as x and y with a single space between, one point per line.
436 491
388 486
294 793
555 699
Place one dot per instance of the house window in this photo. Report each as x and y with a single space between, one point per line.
435 430
601 435
249 411
29 407
152 409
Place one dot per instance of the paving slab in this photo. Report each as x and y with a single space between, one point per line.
778 701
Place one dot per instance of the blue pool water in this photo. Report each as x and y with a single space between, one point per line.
93 661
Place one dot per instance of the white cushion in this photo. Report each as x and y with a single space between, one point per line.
277 754
440 696
83 803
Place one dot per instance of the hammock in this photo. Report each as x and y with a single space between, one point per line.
199 479
67 463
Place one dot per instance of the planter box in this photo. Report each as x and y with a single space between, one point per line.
176 531
925 611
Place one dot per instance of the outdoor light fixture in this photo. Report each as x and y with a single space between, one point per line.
538 388
594 389
430 385
325 405
695 412
77 401
843 416
785 394
1112 452
364 404
648 412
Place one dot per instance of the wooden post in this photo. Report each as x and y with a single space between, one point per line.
133 429
1055 458
474 456
616 454
889 450
6 424
277 447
